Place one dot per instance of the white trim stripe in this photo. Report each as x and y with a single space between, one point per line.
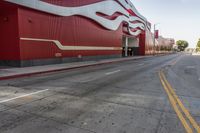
62 47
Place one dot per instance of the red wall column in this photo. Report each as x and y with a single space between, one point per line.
142 41
9 34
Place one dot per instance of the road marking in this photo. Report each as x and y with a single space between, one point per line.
186 112
175 61
25 95
174 105
177 104
190 67
89 80
109 73
141 64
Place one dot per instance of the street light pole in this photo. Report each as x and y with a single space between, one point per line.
154 38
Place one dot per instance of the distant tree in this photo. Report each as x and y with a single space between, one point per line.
182 45
198 46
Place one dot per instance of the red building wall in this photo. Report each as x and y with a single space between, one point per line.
9 35
142 43
75 30
70 31
72 3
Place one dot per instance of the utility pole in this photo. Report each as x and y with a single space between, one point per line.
154 38
126 47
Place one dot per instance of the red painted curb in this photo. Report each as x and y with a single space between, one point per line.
62 69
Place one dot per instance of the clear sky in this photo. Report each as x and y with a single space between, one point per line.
178 19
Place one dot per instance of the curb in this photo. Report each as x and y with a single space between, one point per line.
63 69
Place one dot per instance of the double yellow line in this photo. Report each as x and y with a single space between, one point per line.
183 114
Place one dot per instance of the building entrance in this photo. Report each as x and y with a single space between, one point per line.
130 46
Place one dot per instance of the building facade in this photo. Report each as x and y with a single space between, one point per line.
38 32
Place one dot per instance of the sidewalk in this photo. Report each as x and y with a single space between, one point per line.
10 73
196 54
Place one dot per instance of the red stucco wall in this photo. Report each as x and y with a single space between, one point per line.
9 36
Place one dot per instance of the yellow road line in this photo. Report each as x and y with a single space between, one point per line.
174 105
175 61
186 112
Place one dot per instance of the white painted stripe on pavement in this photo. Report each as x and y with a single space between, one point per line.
89 80
25 95
190 67
141 64
109 73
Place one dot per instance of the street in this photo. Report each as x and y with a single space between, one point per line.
123 97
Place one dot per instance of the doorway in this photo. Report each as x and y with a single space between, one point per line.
130 46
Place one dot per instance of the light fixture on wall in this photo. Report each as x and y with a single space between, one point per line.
29 20
5 19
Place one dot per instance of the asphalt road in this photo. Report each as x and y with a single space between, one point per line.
124 97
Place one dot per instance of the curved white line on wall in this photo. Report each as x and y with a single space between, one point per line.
136 33
131 6
62 47
134 18
108 7
140 25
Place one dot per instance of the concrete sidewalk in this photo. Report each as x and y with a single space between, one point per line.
9 73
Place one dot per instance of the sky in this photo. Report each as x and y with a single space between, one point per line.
178 19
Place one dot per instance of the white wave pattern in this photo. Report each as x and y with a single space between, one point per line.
108 7
129 5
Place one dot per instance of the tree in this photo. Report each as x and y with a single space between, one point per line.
198 46
182 45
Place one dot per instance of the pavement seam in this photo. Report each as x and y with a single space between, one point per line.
80 97
23 96
10 107
47 118
159 122
161 116
122 104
